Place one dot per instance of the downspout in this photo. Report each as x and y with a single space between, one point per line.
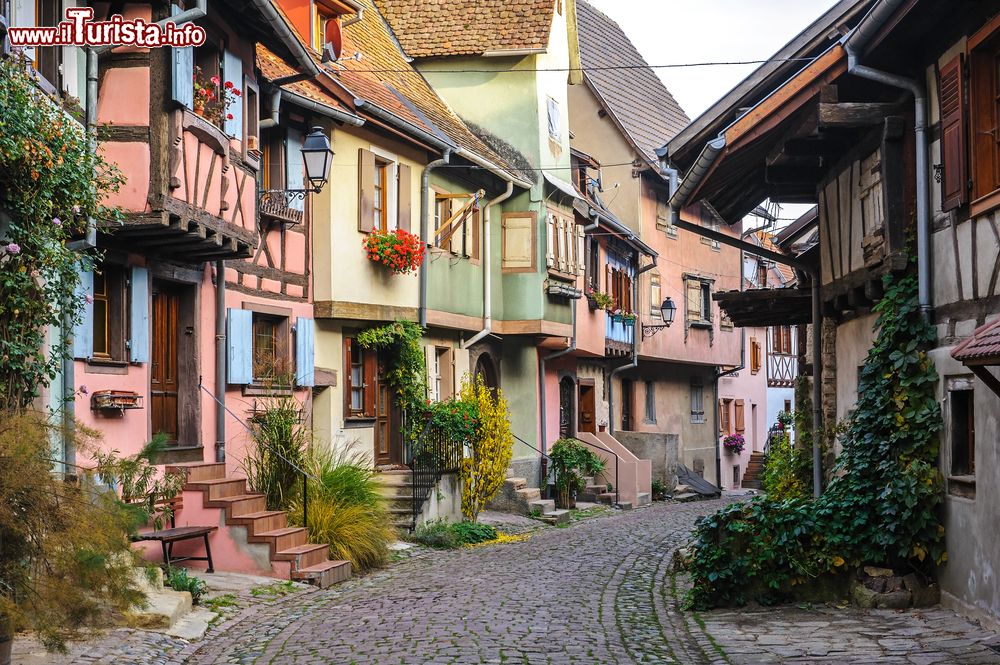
556 354
425 188
854 44
488 268
220 361
272 121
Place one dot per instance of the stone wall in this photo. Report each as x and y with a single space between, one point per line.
659 448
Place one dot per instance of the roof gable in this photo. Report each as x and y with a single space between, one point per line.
637 99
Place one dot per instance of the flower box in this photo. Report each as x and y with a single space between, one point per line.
115 400
400 251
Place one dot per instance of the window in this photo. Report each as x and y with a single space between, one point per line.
761 275
360 384
270 348
518 242
650 402
555 119
253 117
755 359
663 220
963 432
781 340
109 318
380 204
48 59
462 235
440 371
984 110
320 15
725 421
699 302
697 401
594 264
655 294
736 475
564 245
620 289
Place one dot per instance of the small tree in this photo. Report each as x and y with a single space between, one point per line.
484 471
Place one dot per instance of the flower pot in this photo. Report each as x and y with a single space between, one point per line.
628 322
591 303
617 318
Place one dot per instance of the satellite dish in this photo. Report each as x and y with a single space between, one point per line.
334 37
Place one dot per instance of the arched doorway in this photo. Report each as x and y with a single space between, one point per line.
567 406
487 371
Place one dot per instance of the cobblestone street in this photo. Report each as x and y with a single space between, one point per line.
600 591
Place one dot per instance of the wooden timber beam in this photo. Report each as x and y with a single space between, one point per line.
748 247
854 114
794 175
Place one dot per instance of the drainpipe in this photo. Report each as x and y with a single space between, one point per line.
220 361
268 123
854 44
425 188
488 268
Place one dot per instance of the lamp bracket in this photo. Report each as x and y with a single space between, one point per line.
289 195
649 331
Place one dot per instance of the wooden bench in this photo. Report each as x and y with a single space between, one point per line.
176 534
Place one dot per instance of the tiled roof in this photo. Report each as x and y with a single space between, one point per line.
384 77
273 67
766 240
433 28
637 98
984 343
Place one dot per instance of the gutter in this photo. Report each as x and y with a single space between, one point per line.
854 44
488 269
406 126
321 109
305 62
425 187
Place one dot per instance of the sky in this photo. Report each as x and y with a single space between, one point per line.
675 31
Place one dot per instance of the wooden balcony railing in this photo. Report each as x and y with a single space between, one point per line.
781 370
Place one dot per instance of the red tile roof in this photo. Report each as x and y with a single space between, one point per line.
984 343
433 28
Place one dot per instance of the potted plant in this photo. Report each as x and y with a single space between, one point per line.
734 443
628 318
213 97
571 461
617 315
400 251
599 299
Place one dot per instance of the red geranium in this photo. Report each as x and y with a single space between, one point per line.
401 251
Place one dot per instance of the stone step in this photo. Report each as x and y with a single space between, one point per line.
544 506
626 505
643 499
516 482
528 494
554 517
606 497
685 497
195 471
325 574
304 556
752 484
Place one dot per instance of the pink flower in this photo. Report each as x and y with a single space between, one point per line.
57 221
83 390
13 248
88 298
216 80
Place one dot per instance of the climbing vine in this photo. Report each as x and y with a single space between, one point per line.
406 371
50 182
881 506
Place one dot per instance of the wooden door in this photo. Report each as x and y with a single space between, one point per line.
163 380
628 405
587 420
567 413
388 421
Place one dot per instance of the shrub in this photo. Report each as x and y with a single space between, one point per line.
881 506
179 580
278 445
401 343
659 489
484 471
345 508
442 535
456 418
571 461
65 558
787 470
470 533
143 489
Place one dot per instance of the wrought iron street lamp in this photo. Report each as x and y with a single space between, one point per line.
317 156
667 311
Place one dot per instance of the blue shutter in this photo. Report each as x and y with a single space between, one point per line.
295 168
138 342
232 70
305 354
83 331
239 343
182 71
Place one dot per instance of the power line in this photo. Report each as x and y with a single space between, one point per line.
600 68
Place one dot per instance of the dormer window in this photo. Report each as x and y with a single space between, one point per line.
323 13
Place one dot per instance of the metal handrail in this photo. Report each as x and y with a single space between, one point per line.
543 471
444 455
617 459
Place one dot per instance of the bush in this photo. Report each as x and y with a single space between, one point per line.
278 441
179 580
442 535
881 506
571 462
345 508
484 471
787 471
659 489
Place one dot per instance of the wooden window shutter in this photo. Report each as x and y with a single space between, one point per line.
83 331
550 240
404 209
561 247
581 250
295 176
138 342
954 144
305 352
738 415
518 242
239 344
232 70
655 299
366 190
348 384
182 71
477 220
693 300
371 381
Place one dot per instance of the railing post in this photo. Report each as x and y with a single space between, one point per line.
305 500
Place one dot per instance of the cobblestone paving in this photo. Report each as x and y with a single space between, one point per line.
599 591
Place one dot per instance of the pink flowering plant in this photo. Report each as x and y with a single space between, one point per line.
50 183
213 97
734 443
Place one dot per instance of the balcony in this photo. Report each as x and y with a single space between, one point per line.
618 337
781 370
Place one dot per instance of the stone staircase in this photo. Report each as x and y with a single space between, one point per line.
396 488
290 554
516 497
752 474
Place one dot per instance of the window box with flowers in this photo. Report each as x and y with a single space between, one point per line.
599 299
734 444
213 97
400 251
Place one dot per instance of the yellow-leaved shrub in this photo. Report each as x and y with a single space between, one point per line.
484 471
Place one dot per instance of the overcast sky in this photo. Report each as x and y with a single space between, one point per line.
676 31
